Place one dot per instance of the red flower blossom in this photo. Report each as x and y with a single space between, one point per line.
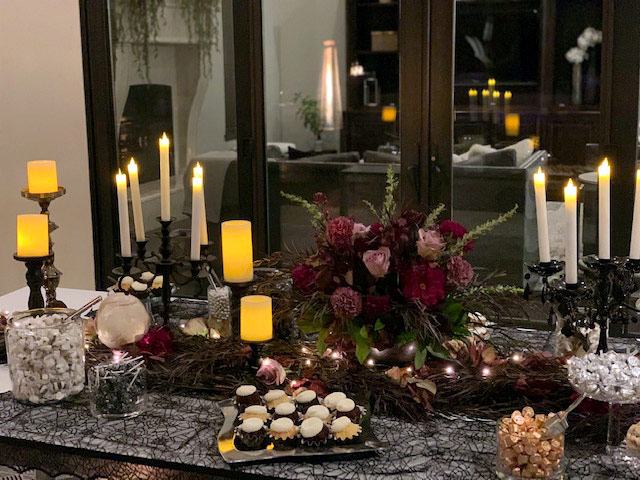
424 283
346 302
304 278
376 305
340 232
455 230
459 272
157 343
319 199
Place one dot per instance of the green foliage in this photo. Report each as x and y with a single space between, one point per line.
309 113
389 206
482 229
361 340
433 216
317 218
405 337
203 23
420 358
378 326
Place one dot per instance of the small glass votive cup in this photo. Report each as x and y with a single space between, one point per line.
219 299
118 389
526 453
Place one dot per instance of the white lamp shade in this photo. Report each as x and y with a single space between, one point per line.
329 91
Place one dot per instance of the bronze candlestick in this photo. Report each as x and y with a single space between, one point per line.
52 275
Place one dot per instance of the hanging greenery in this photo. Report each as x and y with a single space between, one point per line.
138 22
141 18
203 22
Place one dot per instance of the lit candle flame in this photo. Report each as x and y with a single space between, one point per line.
164 141
604 169
538 177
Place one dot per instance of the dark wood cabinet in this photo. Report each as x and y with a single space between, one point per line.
565 134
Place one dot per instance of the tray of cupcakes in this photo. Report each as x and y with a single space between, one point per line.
274 425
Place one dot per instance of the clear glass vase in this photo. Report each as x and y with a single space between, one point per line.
45 352
219 299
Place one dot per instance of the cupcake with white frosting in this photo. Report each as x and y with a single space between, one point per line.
306 399
247 395
124 283
156 285
147 277
331 400
344 431
314 433
348 408
139 290
273 398
319 411
255 411
283 433
286 410
251 434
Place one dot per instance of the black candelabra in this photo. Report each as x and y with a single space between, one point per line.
35 278
601 299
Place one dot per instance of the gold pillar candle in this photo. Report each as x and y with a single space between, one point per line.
512 125
389 113
42 176
32 235
256 320
237 251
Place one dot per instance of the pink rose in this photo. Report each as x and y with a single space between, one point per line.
340 232
459 272
360 230
271 372
377 261
430 244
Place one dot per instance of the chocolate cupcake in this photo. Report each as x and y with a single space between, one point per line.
247 395
156 285
124 283
255 411
314 433
251 434
139 290
344 431
319 411
273 398
147 277
331 400
348 408
286 410
306 399
283 433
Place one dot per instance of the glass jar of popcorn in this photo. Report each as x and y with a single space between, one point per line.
524 449
45 353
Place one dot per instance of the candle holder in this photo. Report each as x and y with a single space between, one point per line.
126 267
165 266
601 299
141 251
51 273
35 278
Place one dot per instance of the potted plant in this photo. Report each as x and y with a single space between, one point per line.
309 113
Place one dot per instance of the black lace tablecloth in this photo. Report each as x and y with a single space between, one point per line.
176 439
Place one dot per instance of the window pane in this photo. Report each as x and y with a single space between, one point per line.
330 72
522 101
173 73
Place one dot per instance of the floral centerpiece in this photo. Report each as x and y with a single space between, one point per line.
400 281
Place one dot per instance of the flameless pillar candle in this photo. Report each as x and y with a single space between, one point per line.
123 215
634 250
495 105
485 104
237 251
256 321
204 235
42 176
512 125
604 206
196 213
507 101
491 83
32 235
571 235
541 215
473 102
136 204
165 182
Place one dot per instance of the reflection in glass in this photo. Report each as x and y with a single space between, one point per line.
173 74
526 93
331 90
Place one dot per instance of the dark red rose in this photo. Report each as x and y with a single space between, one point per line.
340 232
319 199
157 343
424 283
376 305
455 230
304 278
376 228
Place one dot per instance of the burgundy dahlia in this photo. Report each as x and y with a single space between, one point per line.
340 232
376 306
424 283
346 302
304 278
459 271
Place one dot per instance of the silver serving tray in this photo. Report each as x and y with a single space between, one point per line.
226 445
